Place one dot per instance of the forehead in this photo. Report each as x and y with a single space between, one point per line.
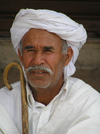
39 36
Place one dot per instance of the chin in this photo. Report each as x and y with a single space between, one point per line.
39 84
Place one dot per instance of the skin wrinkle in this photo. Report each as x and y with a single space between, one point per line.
64 47
58 76
46 83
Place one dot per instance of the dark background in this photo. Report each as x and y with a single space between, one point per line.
86 12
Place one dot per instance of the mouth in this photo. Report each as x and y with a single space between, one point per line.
39 72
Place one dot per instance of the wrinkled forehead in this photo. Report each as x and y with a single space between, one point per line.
41 36
34 32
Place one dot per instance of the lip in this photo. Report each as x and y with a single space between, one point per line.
38 72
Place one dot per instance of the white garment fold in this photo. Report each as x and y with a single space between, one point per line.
76 111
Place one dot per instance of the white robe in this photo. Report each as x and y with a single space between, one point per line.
77 111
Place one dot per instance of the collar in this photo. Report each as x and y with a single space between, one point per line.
32 102
30 98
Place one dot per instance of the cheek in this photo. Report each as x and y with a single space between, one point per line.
26 60
54 61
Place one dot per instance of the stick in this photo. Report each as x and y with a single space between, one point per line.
25 126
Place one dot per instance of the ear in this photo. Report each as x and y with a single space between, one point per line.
68 56
20 56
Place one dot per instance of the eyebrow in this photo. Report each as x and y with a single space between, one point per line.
28 47
48 47
45 47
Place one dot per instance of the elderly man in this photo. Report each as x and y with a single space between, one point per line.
48 45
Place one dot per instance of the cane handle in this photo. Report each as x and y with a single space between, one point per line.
5 74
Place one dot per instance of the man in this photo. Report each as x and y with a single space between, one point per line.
48 45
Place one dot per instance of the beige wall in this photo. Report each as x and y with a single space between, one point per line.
89 57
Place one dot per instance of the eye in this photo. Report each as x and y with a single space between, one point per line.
48 51
30 51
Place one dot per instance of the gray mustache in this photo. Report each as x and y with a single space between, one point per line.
36 67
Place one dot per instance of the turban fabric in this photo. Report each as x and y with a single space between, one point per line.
73 33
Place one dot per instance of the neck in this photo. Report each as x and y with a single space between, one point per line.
45 95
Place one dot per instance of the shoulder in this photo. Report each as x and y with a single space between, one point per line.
10 102
7 95
82 94
15 85
79 86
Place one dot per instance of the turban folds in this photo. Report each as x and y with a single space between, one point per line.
58 23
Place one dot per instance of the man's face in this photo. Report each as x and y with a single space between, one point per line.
42 48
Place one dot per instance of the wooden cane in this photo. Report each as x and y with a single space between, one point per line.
25 126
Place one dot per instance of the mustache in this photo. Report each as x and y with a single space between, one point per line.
38 67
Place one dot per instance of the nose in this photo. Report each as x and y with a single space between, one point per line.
38 58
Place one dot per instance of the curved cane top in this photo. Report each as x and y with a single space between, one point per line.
5 74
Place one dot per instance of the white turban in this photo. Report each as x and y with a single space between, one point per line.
58 23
